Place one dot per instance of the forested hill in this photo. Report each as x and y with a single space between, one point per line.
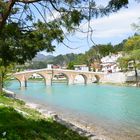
42 57
41 61
94 53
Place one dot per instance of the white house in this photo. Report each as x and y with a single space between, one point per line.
35 76
81 67
109 63
49 66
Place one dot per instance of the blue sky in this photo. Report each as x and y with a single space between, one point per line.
109 29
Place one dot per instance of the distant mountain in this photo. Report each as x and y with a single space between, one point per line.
50 57
42 57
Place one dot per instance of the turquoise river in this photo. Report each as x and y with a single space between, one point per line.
113 111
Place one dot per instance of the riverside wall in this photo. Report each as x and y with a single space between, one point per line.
120 77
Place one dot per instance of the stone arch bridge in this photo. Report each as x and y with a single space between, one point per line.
48 74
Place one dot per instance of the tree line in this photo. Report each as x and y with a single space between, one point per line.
95 53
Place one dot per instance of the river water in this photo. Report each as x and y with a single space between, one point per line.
113 111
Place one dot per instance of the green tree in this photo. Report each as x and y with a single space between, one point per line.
37 65
104 49
59 60
80 59
4 70
71 66
95 53
119 47
131 55
16 46
64 59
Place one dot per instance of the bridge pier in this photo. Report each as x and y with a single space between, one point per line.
70 81
22 80
48 79
23 83
89 80
48 82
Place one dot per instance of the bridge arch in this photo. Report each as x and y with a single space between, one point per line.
33 76
18 80
61 77
80 78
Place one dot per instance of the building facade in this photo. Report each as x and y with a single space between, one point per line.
81 67
109 63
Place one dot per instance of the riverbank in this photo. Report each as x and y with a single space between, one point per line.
64 119
19 120
24 108
119 84
97 127
84 125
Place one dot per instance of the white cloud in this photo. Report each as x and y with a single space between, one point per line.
53 15
110 33
115 25
113 28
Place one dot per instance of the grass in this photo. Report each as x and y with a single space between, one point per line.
31 125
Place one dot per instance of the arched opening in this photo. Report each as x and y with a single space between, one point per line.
18 81
60 78
80 79
35 78
12 82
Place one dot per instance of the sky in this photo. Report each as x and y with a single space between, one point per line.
109 29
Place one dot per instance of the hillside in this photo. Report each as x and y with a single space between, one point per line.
42 57
95 53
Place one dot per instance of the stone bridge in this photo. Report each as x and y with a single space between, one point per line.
48 75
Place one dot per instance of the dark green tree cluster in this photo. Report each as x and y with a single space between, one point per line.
19 46
70 66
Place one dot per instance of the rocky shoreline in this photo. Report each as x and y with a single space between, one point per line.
75 126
